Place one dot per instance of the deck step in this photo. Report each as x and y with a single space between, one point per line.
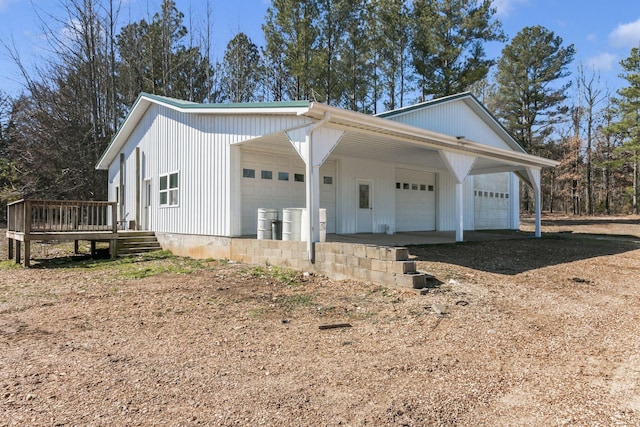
137 242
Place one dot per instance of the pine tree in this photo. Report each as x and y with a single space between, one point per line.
292 47
447 38
627 107
241 70
531 91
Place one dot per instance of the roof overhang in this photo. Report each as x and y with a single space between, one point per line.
365 136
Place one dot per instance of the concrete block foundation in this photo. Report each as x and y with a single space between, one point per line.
384 265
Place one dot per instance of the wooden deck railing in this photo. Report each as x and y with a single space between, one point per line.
60 216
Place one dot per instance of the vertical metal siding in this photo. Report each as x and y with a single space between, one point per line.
383 176
199 148
455 119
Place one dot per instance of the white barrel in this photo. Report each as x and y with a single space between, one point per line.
265 218
305 225
291 224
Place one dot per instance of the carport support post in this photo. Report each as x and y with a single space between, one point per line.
534 181
459 212
536 192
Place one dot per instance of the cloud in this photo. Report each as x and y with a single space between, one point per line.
505 7
626 35
602 62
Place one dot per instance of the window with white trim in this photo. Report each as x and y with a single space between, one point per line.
169 189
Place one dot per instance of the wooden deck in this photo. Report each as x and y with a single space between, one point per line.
29 220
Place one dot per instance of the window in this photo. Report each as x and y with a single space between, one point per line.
414 187
398 185
423 187
405 185
298 177
283 176
430 188
327 180
169 189
248 173
266 174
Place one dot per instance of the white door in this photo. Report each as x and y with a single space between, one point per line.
364 203
146 210
415 200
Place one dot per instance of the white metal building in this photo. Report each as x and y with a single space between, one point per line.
205 169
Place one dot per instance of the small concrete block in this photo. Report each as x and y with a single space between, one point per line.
330 257
378 265
340 259
287 254
321 256
364 263
402 254
361 273
382 278
360 251
415 281
373 252
336 268
394 254
402 267
349 271
352 260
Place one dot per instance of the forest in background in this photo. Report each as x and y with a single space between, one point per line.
364 55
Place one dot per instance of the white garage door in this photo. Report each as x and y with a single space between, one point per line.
415 201
278 181
491 201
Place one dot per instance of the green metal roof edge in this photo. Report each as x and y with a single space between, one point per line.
429 103
194 105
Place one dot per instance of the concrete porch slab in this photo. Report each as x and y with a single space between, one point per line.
424 237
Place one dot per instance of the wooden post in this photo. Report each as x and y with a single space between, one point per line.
17 251
27 253
76 247
10 248
113 248
114 218
27 219
93 249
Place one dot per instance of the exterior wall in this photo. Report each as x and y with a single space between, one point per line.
199 148
492 201
452 118
384 203
260 193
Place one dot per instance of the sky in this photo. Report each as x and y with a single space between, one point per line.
602 31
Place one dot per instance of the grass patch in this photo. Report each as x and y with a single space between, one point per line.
297 301
283 275
131 267
9 265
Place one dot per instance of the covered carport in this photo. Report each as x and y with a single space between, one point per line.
330 132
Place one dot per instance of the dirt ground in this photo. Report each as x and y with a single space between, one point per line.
523 332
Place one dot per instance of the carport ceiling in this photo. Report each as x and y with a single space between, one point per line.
366 145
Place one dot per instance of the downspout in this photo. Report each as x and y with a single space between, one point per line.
312 171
